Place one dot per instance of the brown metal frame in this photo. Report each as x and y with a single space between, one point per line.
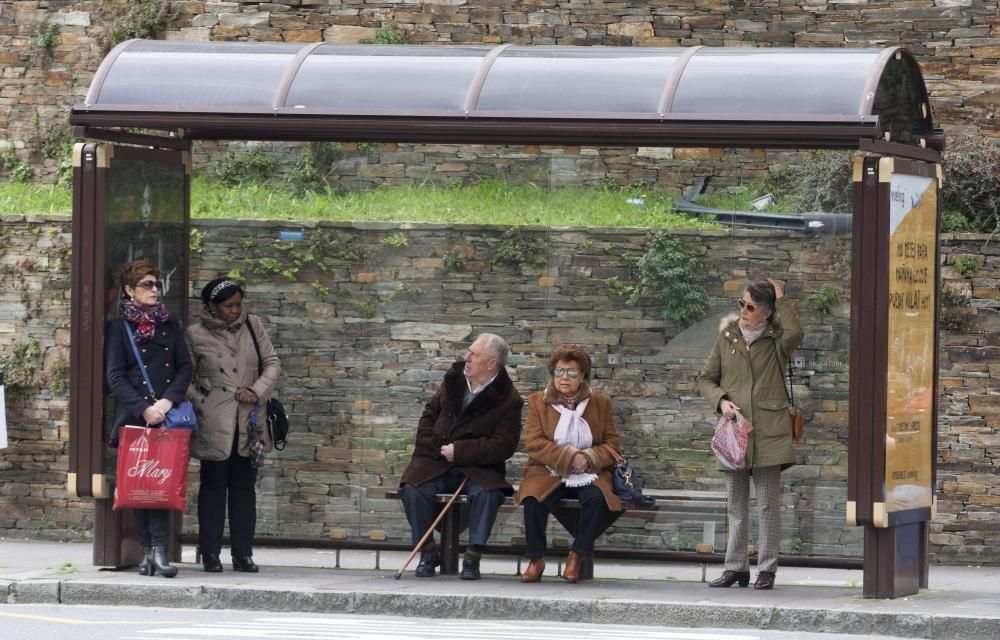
115 539
689 131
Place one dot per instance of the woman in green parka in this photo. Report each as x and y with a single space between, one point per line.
745 373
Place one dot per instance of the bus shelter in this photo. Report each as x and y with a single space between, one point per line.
150 99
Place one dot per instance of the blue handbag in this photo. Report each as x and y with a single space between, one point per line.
180 416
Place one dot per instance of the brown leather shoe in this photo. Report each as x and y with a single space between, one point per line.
571 572
534 571
765 580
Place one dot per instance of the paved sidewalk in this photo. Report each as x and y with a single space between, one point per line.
962 603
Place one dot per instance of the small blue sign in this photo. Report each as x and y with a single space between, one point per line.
292 236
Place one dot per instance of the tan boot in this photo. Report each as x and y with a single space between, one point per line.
534 571
571 572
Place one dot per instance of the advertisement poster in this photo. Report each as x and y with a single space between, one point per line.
912 303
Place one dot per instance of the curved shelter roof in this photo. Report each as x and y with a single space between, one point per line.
696 96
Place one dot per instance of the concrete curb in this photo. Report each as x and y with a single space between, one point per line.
852 620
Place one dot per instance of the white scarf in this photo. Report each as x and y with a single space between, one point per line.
573 430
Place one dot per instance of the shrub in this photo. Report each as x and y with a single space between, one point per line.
965 265
825 299
47 36
972 181
672 272
390 34
311 171
17 170
822 182
144 19
255 165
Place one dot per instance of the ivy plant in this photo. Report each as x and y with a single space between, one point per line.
673 273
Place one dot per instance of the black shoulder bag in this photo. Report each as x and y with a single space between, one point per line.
277 419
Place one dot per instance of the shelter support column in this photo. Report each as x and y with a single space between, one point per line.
893 376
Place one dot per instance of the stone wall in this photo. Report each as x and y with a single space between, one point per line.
957 43
365 339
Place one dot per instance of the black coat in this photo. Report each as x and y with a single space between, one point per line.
168 365
485 434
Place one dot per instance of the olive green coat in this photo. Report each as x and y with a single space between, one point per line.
754 378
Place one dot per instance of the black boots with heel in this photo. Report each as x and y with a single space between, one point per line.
161 564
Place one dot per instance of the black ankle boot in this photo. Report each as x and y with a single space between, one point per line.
729 578
161 564
245 564
146 564
211 562
428 560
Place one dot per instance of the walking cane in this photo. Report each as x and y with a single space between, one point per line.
430 529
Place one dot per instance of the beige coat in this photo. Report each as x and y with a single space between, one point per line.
224 361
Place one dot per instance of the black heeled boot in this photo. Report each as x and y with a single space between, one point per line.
245 564
146 564
161 564
211 562
729 578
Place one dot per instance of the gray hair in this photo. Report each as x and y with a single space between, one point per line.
498 346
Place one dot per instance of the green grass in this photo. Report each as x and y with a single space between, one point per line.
491 201
28 198
742 200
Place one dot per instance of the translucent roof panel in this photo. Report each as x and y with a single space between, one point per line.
346 77
690 96
200 75
578 79
775 81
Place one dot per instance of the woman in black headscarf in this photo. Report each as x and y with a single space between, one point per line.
230 387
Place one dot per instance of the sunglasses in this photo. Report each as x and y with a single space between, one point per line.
559 371
149 285
746 305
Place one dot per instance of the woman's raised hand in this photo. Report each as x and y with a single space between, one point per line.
779 291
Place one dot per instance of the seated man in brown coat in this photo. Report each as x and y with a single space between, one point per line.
469 429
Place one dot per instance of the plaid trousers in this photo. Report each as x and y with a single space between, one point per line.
767 484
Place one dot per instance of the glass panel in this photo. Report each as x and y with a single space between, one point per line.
145 220
368 315
222 74
774 81
387 77
617 80
809 253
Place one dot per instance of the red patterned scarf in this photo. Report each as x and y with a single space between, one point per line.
146 318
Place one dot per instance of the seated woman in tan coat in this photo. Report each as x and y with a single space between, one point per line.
568 431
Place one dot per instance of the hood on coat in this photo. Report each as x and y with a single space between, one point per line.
215 324
732 321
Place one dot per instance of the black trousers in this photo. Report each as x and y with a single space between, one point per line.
418 503
595 517
154 528
233 476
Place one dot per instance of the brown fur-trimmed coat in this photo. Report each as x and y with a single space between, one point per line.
485 433
539 434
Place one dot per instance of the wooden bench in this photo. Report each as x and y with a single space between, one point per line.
707 506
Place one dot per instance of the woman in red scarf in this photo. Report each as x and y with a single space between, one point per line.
160 340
